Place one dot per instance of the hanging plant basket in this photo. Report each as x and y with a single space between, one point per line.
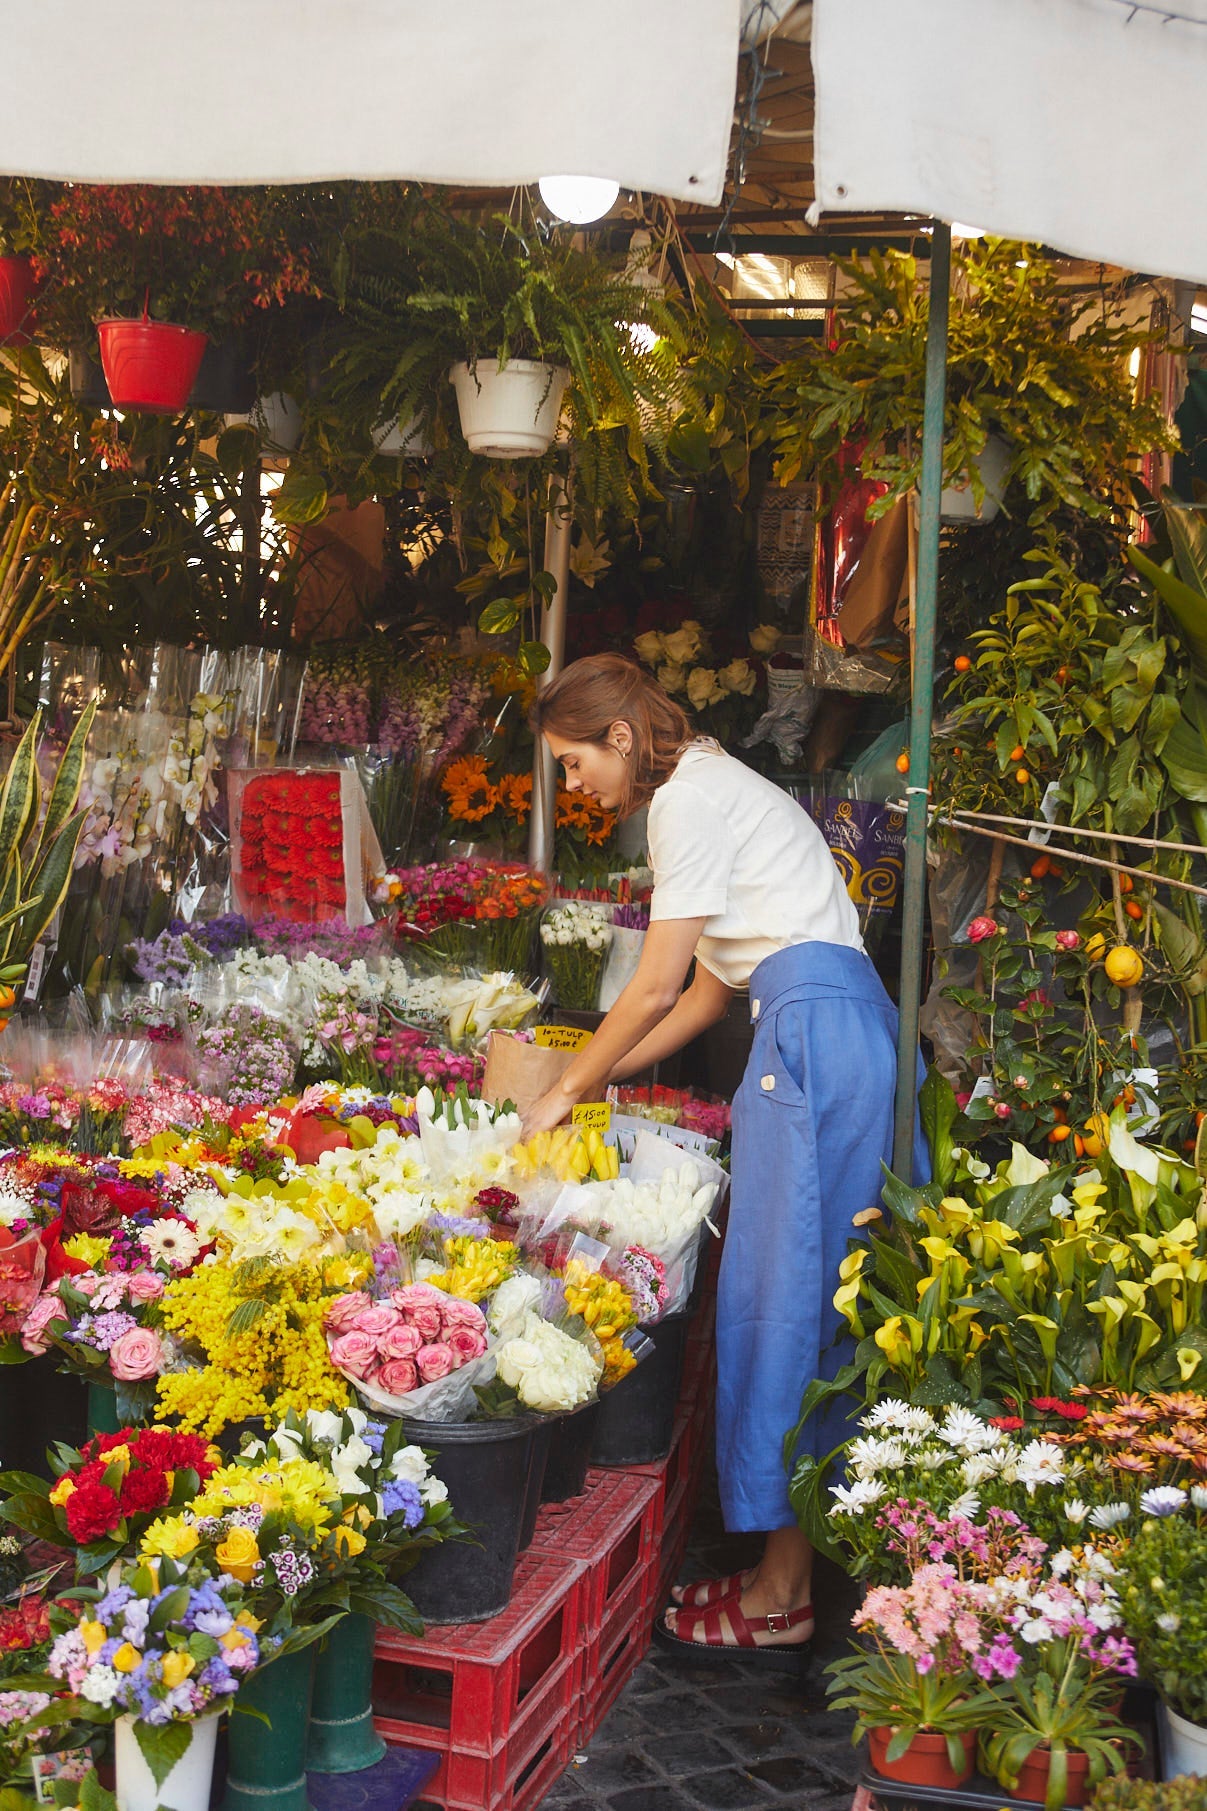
512 413
16 295
150 366
409 438
957 504
276 418
87 379
225 380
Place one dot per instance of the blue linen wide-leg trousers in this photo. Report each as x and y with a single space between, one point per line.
812 1123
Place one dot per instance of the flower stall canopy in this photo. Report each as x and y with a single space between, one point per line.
466 91
1026 118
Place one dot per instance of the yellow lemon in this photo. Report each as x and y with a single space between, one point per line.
1095 947
1123 965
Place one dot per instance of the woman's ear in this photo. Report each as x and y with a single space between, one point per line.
620 736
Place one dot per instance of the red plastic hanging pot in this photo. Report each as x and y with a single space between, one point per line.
16 293
150 365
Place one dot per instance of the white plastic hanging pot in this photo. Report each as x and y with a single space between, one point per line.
187 1787
410 438
276 418
512 413
1183 1745
957 504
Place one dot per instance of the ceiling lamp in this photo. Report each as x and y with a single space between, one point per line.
579 199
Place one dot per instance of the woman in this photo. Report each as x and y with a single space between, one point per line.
745 885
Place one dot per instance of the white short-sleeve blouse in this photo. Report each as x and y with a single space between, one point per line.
730 846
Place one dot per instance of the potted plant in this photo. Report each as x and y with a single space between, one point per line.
18 231
160 271
518 317
1163 1589
1051 1731
1029 364
1186 1793
914 1692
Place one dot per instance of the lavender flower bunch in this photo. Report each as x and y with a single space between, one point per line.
247 1057
168 959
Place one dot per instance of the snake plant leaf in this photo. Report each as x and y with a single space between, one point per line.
49 887
1187 606
66 788
19 798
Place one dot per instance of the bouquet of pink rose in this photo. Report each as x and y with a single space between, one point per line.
398 1351
105 1328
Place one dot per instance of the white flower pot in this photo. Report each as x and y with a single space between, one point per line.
957 504
1183 1745
187 1787
512 413
410 438
276 418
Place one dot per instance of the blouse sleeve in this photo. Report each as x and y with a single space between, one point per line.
691 852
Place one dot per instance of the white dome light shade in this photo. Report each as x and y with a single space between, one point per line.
578 198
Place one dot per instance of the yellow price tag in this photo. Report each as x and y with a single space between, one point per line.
592 1113
562 1037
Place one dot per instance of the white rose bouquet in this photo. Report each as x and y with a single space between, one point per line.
550 1371
576 939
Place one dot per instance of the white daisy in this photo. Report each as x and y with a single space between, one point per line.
1109 1515
1166 1499
1075 1511
170 1242
858 1496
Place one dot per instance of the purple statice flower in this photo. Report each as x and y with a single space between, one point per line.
247 1056
459 1226
217 936
107 1329
401 1498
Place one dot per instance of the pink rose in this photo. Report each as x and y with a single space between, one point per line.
466 1343
87 1283
1068 940
137 1354
47 1308
435 1361
401 1341
344 1310
375 1321
463 1314
144 1286
354 1352
980 928
428 1323
397 1377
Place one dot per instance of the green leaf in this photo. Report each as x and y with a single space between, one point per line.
937 1105
499 617
1184 758
237 447
162 1744
19 793
244 1317
1186 606
303 498
533 657
66 788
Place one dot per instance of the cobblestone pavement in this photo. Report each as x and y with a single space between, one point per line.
728 1737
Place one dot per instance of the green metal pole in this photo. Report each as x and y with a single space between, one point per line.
922 690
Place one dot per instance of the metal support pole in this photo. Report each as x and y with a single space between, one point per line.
558 525
921 701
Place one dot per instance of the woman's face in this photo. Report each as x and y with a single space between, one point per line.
598 769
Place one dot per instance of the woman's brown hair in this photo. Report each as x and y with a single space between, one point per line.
584 701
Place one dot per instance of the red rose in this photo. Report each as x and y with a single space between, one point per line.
92 1511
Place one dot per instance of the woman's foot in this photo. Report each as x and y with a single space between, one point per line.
759 1616
708 1591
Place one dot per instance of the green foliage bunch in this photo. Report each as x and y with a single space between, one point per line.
37 847
1163 1591
1186 1793
1028 359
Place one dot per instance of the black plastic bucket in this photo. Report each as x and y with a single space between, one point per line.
38 1407
637 1419
570 1454
542 1434
486 1465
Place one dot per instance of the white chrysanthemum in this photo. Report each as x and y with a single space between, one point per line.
1040 1463
978 1468
13 1207
1169 1623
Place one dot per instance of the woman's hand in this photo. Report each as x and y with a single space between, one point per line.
550 1110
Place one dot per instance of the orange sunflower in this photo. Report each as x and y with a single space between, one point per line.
515 795
468 788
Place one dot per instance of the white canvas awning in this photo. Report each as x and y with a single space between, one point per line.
467 92
1075 123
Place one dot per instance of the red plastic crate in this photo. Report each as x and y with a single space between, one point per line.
497 1701
621 1644
614 1527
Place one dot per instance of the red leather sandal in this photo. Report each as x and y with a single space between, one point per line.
708 1591
721 1632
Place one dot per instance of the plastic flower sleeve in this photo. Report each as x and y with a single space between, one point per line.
449 1398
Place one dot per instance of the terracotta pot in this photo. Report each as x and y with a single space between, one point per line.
1033 1777
925 1762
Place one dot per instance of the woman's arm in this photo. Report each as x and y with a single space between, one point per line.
649 998
705 1001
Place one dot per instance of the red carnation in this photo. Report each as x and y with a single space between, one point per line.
92 1511
144 1489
